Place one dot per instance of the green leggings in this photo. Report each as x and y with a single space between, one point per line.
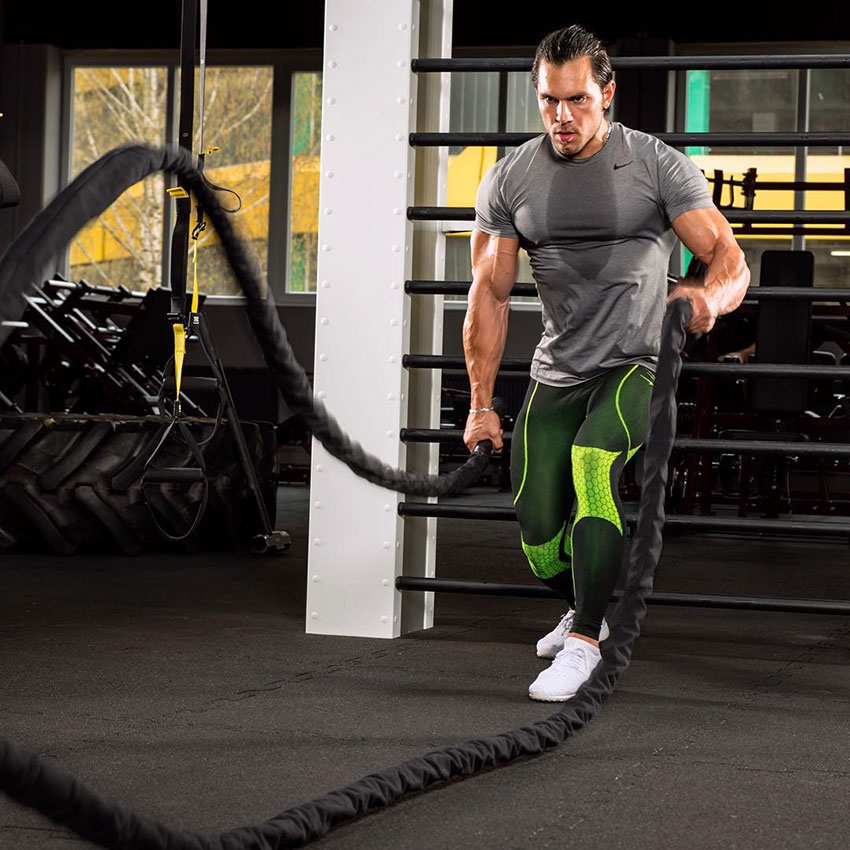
570 446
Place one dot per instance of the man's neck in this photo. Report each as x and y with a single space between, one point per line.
600 137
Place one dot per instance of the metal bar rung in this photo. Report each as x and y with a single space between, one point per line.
643 63
695 600
687 444
733 216
814 526
676 140
754 293
718 370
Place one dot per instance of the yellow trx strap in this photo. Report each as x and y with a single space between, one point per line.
179 354
180 329
195 276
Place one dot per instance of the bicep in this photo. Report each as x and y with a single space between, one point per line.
702 231
494 262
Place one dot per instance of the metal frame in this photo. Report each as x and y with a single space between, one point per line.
801 119
802 222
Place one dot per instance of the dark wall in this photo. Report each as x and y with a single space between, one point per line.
91 24
30 94
499 22
153 24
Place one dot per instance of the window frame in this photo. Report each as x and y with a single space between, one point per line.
802 106
284 64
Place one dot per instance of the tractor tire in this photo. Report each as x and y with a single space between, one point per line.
71 483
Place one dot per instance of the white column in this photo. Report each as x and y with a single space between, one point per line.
362 314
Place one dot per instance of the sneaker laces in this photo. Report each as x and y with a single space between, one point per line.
564 626
571 656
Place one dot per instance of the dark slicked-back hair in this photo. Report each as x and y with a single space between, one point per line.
571 43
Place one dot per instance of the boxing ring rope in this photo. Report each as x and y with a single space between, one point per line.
53 792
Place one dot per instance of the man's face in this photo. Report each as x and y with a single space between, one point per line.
572 106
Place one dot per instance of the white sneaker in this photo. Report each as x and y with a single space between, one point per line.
550 645
567 673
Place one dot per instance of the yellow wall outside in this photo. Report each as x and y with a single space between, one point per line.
468 167
465 172
304 204
251 180
780 168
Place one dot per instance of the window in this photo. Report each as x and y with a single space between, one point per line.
305 136
237 125
523 115
723 101
112 106
750 101
247 148
829 112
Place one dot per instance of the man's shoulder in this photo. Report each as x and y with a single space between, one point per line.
646 146
641 143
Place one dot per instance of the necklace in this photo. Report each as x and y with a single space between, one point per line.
608 134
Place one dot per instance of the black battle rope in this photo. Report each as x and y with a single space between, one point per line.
42 786
101 184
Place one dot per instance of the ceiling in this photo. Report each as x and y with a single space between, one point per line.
93 24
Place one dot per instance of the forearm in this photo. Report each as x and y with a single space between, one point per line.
485 329
727 278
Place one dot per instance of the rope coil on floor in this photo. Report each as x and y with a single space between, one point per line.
63 799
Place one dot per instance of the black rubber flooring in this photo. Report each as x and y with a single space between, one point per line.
184 687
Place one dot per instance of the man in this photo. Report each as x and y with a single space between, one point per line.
598 207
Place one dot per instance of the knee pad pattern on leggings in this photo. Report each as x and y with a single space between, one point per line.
549 559
592 480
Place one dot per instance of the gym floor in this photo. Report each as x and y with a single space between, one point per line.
185 688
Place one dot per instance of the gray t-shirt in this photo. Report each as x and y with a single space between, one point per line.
598 234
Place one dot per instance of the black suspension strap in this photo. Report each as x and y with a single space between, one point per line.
56 794
179 476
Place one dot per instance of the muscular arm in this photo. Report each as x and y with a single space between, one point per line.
708 236
494 265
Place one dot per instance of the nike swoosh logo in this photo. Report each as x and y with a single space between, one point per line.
622 165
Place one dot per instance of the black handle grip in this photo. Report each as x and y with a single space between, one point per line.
485 447
181 475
